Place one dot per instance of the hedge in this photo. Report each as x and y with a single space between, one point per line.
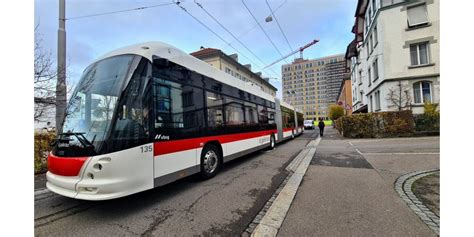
375 125
427 122
42 148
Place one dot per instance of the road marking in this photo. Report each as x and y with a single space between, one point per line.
274 217
400 153
41 191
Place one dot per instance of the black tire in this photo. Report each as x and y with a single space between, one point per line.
272 143
210 165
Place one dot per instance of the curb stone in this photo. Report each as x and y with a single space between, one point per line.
403 187
279 204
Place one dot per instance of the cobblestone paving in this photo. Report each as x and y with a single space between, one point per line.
403 187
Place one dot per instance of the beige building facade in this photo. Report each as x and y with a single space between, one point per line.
312 85
230 64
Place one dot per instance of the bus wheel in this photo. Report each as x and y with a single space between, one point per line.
272 142
210 161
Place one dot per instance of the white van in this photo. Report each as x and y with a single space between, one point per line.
308 124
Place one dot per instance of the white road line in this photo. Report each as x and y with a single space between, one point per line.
41 191
274 217
400 153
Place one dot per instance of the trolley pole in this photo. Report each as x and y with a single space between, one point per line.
61 89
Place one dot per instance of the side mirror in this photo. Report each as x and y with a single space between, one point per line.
160 62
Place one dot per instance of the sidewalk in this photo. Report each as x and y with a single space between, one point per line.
343 194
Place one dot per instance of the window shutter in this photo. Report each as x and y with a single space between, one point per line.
417 15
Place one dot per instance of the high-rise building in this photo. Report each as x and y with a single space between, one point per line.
311 85
395 55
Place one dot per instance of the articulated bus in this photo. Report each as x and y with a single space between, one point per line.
146 115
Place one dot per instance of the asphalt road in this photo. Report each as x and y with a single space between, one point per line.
224 205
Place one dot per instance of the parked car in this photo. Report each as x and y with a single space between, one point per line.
308 124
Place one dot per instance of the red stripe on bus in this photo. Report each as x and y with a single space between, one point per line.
65 166
287 129
166 147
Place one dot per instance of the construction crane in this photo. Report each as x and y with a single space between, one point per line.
301 49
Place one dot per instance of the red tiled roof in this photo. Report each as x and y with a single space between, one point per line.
204 51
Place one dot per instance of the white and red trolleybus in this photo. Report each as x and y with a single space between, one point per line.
148 114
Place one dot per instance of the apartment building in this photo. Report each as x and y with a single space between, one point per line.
311 85
230 64
395 55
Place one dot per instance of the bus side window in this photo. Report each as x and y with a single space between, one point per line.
179 110
215 112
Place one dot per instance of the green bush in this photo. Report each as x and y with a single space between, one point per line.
335 112
428 121
382 124
42 148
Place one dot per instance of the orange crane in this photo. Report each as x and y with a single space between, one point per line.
301 49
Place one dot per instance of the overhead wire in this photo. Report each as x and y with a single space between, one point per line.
256 25
235 37
120 11
268 37
208 28
279 26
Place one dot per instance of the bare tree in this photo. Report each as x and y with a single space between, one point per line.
400 97
44 81
45 78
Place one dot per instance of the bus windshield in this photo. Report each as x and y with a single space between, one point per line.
92 105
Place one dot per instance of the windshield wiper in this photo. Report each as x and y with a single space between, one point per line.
80 137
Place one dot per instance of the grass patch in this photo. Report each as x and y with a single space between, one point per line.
326 122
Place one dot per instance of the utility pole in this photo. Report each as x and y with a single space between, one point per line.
61 89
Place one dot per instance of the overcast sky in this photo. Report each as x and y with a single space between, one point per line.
330 21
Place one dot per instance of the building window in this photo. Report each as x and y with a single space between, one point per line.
360 77
376 40
376 69
368 52
371 40
227 70
366 24
422 92
371 104
417 15
377 100
369 74
419 54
